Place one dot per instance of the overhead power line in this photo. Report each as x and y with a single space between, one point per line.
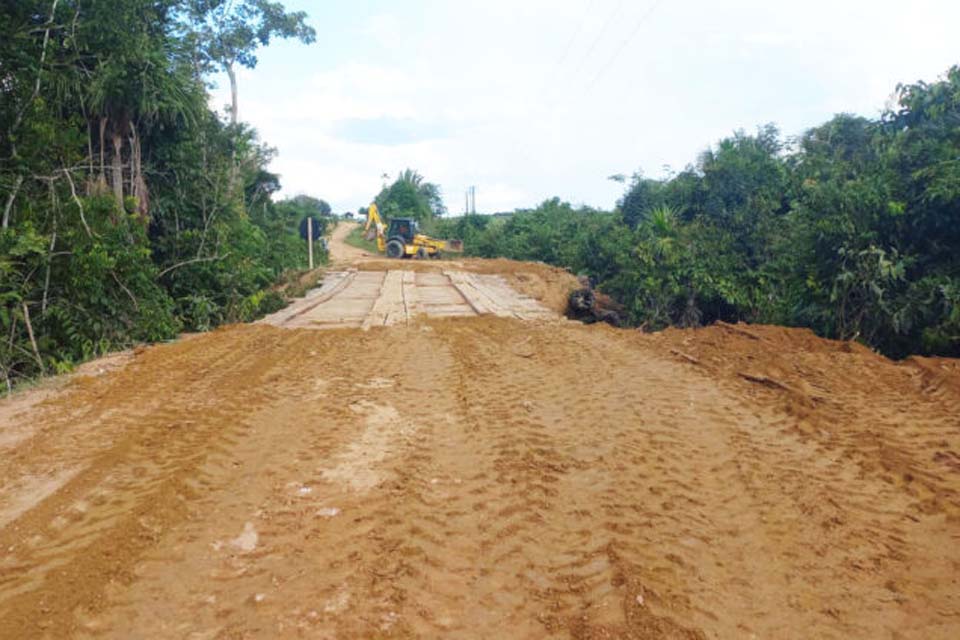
600 35
549 78
576 34
623 45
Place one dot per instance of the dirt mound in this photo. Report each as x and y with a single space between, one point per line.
936 373
783 357
549 285
888 416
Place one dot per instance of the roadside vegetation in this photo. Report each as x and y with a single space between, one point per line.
853 230
131 210
357 239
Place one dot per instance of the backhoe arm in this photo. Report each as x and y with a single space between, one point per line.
374 220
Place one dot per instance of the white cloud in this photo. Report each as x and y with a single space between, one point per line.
514 98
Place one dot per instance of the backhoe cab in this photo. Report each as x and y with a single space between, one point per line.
400 235
402 238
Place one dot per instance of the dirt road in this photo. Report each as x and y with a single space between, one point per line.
341 253
486 477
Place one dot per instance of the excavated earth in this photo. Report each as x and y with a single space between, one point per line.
497 472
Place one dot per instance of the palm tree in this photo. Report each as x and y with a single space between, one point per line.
411 195
132 89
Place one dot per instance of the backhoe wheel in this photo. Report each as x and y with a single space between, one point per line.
422 254
395 249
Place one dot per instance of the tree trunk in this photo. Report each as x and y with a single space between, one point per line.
13 196
46 280
116 173
33 340
234 109
234 113
138 184
23 109
103 144
91 172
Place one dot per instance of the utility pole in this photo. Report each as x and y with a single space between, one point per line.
470 204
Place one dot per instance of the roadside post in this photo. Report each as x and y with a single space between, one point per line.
310 241
310 231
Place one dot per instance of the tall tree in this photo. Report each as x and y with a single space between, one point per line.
141 80
228 33
410 195
24 59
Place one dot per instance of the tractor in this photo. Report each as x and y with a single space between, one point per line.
402 238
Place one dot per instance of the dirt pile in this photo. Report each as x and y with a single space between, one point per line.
549 285
889 417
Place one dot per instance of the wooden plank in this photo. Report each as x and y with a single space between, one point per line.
411 296
388 307
478 302
515 304
333 284
381 298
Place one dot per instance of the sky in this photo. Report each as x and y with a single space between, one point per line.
531 99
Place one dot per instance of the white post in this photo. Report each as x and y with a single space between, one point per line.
310 240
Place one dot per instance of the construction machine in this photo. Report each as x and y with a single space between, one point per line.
402 238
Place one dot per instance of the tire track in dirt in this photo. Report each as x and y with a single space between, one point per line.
886 418
345 480
138 468
545 438
853 539
481 477
749 481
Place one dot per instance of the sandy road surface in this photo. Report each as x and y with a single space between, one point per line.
486 477
342 253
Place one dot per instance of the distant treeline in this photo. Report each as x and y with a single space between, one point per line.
852 230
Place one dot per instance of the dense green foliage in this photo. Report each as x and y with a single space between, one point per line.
409 196
852 230
129 210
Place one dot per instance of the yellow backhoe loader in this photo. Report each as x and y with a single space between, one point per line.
402 239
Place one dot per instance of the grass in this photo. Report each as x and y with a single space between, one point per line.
355 239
